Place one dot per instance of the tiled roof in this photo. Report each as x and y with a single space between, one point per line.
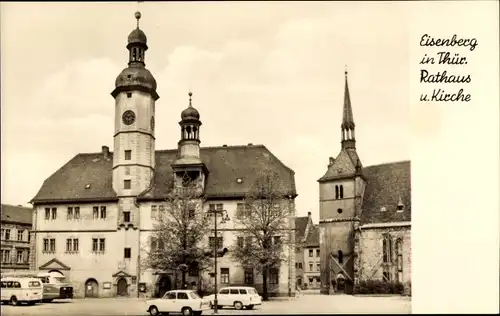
16 214
225 164
386 184
313 237
300 227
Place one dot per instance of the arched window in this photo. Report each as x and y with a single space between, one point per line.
336 192
399 258
341 191
387 249
340 256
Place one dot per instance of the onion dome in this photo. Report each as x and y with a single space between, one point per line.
190 113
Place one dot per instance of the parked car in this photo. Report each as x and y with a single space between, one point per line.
236 296
186 302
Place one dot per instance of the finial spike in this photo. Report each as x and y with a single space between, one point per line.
138 17
345 69
190 99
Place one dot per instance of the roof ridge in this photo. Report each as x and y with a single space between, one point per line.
20 206
388 163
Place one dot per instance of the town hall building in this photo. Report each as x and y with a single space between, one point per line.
93 216
365 217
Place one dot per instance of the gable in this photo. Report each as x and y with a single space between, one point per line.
54 264
344 165
121 273
88 177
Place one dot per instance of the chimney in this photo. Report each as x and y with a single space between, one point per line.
250 144
224 145
105 151
331 161
309 214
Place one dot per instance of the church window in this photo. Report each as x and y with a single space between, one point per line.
336 192
127 184
341 189
128 154
339 211
340 256
387 249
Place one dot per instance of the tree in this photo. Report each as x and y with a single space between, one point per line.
178 239
265 219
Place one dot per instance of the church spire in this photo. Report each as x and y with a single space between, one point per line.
347 126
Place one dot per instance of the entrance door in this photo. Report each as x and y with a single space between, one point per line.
164 285
340 284
91 288
122 287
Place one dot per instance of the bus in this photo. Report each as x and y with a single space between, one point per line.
54 285
17 290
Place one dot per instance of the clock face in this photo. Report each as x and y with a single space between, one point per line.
152 123
128 117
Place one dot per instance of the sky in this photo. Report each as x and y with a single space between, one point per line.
262 73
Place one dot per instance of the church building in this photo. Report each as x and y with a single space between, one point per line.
93 216
365 217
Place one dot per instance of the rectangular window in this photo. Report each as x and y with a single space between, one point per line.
161 209
248 241
47 213
249 276
211 242
153 212
127 184
102 244
69 245
3 233
310 267
317 253
95 244
300 265
77 212
219 207
274 276
54 213
224 275
52 245
27 258
126 217
75 244
318 267
20 234
129 95
6 256
240 211
95 212
103 212
45 244
310 253
127 254
387 249
70 213
128 154
19 258
240 242
7 234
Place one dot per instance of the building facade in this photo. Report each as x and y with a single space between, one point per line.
311 255
365 216
98 209
16 227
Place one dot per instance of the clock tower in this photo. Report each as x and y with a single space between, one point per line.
134 141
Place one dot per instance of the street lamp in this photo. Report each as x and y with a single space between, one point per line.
224 219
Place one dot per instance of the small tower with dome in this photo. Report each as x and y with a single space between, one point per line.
188 162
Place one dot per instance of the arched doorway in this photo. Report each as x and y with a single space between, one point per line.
122 287
164 285
340 283
91 288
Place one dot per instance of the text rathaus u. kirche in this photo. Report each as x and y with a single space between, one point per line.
93 215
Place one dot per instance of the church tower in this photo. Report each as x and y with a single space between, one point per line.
188 166
341 189
134 141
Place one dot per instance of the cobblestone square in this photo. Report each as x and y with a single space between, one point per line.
306 304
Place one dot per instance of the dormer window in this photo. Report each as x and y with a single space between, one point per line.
239 180
401 207
383 209
87 186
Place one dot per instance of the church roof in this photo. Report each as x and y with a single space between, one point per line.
16 214
386 186
88 176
